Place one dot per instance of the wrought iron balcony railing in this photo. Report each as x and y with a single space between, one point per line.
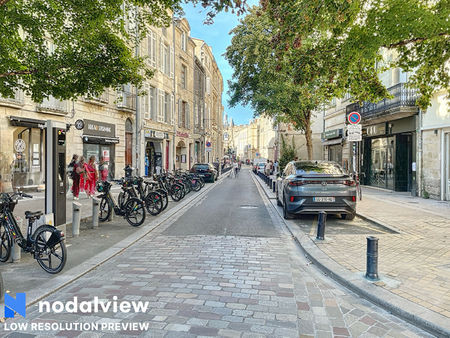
127 101
52 104
16 100
403 97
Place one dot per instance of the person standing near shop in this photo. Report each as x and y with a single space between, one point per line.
70 170
91 177
103 169
78 177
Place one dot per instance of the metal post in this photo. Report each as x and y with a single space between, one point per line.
372 258
321 223
273 185
76 217
16 249
95 210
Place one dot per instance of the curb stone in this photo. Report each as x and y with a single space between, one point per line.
66 278
413 313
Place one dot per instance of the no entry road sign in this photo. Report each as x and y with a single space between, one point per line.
354 118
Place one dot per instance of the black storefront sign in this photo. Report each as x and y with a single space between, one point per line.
99 132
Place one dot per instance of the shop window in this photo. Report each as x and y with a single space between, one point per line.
28 166
128 142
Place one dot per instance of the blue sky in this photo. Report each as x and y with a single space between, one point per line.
216 35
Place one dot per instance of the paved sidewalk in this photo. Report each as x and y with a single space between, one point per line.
414 258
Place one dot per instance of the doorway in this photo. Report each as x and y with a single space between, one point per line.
447 166
128 142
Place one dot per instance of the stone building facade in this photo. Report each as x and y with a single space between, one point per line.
161 127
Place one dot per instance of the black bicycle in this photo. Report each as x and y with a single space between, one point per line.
46 244
133 210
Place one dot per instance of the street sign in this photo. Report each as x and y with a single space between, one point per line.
354 133
208 144
79 124
208 149
19 145
354 118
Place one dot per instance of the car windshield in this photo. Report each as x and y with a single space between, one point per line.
261 164
201 166
322 168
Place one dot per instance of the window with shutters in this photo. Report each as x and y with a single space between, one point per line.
161 106
164 31
208 85
166 60
153 103
183 76
183 41
172 66
151 44
167 107
146 104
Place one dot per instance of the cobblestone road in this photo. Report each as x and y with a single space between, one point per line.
216 285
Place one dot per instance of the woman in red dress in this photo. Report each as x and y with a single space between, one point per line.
91 176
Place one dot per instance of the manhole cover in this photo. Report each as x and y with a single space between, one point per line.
248 207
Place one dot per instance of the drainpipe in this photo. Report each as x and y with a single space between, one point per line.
174 95
138 113
419 181
443 158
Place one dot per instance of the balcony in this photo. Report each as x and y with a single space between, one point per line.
126 101
16 101
100 100
53 105
403 101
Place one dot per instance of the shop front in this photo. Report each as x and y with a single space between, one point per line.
154 145
389 154
182 156
28 162
99 140
332 141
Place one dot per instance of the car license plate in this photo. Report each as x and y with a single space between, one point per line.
201 175
323 199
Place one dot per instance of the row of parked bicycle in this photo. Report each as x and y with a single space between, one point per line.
138 195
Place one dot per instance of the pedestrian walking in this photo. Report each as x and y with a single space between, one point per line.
91 177
74 176
78 177
275 167
103 169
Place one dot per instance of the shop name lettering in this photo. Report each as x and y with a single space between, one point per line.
99 128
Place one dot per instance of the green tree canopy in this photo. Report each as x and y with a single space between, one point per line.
94 43
266 82
344 39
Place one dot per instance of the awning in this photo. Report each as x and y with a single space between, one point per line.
331 142
27 122
100 139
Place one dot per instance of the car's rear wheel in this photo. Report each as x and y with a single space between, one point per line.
286 214
348 217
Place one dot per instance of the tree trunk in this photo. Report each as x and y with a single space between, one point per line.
308 136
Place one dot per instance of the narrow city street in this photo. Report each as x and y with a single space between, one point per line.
224 267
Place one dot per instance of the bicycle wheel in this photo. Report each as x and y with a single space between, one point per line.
134 211
5 243
50 256
105 210
153 203
196 186
165 198
176 192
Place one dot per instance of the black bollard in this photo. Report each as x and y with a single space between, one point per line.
321 223
273 185
372 258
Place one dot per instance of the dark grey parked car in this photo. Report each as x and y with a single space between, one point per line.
307 187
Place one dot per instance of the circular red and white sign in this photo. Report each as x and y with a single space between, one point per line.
354 117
